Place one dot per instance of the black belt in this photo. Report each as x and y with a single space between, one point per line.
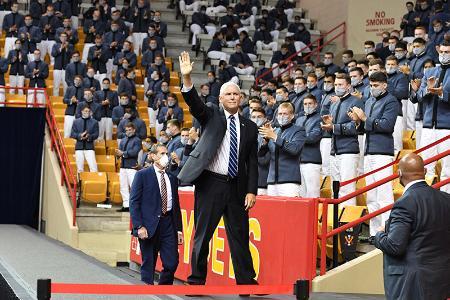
221 177
167 214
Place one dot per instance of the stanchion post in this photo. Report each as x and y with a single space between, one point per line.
335 224
301 289
44 289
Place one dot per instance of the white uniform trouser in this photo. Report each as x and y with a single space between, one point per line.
262 192
68 122
109 69
325 149
138 38
398 134
196 29
194 6
105 129
419 127
126 177
46 47
235 79
343 167
74 21
249 21
409 112
429 136
361 142
16 81
37 97
158 127
85 54
244 71
284 189
89 155
260 45
381 196
301 46
58 78
252 56
276 71
211 11
310 180
9 45
100 76
289 12
2 97
152 114
218 55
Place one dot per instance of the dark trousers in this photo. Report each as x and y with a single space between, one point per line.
165 242
214 198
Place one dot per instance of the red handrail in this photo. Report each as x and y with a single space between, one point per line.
324 235
319 47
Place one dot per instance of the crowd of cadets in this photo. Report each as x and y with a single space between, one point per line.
319 119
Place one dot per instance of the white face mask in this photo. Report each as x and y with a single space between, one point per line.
299 89
283 120
340 91
258 121
309 110
184 140
376 91
400 55
328 61
164 161
328 87
444 58
85 114
391 70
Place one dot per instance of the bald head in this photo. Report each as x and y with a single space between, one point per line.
411 167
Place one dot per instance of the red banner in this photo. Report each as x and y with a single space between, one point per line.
282 242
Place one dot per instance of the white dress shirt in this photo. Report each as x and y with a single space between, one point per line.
219 164
410 184
168 186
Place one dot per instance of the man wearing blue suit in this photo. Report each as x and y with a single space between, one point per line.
416 238
156 217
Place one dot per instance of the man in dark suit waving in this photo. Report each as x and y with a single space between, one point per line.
416 240
156 217
224 168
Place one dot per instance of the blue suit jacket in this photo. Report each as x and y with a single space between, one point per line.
145 202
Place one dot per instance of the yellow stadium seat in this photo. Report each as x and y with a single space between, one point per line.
175 89
100 147
93 186
111 146
398 189
13 100
325 189
361 199
140 93
106 163
69 145
409 140
114 188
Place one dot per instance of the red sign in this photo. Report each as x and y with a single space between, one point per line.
283 242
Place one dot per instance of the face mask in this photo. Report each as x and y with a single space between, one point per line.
309 110
37 57
437 28
129 134
299 89
123 102
391 47
376 92
157 19
399 55
279 98
153 46
88 98
368 50
283 120
105 86
418 51
355 81
85 115
264 99
28 23
284 52
146 145
310 85
327 87
77 83
309 69
163 139
210 80
184 140
168 132
158 62
115 18
126 48
164 161
18 47
391 70
424 6
63 39
340 91
258 121
327 61
171 103
132 75
319 74
125 66
114 29
444 58
346 60
370 73
164 89
90 75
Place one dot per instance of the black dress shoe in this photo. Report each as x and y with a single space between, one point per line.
124 209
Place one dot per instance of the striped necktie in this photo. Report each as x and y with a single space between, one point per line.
163 193
233 162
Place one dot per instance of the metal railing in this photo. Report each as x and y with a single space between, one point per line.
320 44
324 234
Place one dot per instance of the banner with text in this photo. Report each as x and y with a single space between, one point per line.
283 242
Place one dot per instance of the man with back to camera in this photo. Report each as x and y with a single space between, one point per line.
223 166
416 238
156 217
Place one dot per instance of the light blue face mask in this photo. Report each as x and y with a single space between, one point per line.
283 120
340 91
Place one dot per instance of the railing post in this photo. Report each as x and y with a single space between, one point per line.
344 36
323 238
335 224
301 289
44 289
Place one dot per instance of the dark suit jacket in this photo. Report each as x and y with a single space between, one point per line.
214 125
416 245
145 202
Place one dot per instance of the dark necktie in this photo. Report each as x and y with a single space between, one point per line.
233 161
163 193
76 68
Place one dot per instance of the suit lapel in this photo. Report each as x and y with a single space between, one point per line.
155 179
242 134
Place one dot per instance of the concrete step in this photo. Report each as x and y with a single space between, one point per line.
106 246
110 258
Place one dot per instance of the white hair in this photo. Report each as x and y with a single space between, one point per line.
226 85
